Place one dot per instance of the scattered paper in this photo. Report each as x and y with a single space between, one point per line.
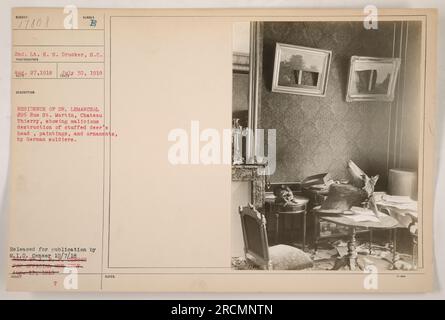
399 202
397 199
364 218
342 251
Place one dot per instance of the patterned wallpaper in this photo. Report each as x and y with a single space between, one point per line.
319 134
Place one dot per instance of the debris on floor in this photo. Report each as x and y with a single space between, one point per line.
329 253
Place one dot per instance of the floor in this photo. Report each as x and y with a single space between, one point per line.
329 253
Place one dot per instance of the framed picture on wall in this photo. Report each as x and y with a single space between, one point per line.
372 79
300 70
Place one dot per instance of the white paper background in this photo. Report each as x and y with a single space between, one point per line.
5 115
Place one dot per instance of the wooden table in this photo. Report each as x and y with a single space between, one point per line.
407 218
350 261
279 212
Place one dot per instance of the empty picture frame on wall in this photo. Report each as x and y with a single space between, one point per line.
300 70
372 79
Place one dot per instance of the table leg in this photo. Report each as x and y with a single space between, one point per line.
352 250
316 235
370 241
351 260
282 228
415 248
277 227
304 231
394 246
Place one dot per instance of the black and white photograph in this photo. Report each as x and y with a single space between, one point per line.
337 187
275 151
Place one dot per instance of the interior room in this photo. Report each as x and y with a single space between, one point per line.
325 143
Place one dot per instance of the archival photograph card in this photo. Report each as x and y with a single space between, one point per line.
222 150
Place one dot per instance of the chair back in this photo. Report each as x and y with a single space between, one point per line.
253 224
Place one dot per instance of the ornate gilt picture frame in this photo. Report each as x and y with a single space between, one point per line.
372 79
301 70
